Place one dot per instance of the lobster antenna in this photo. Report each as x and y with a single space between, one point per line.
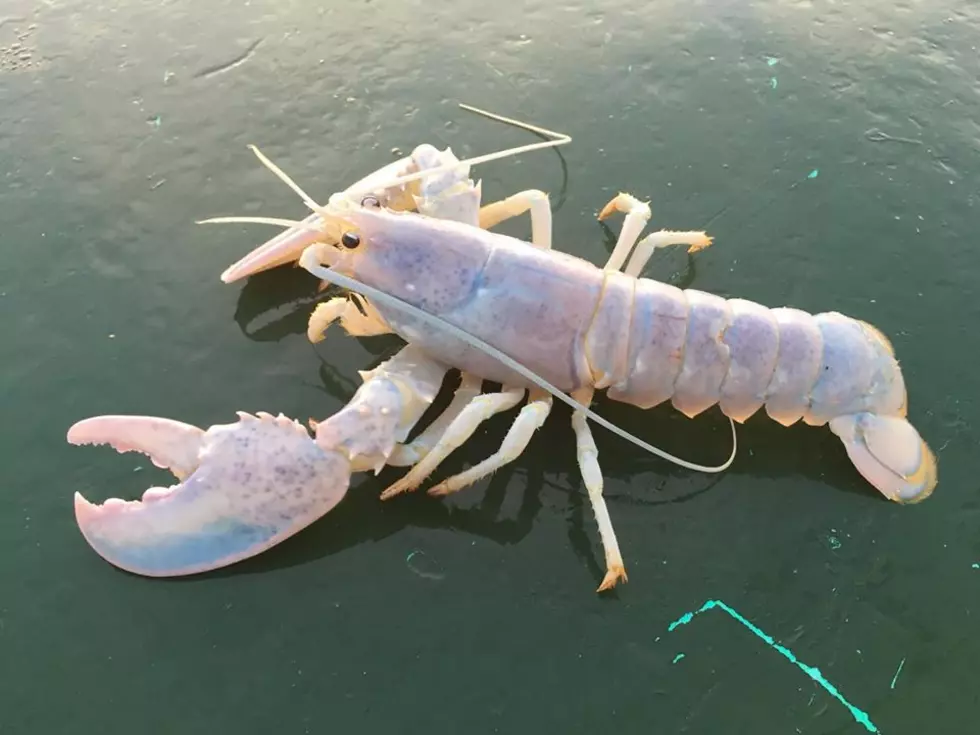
517 123
284 177
278 221
557 140
308 224
308 261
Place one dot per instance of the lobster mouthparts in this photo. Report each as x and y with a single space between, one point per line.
245 487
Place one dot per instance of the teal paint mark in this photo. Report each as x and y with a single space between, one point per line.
833 541
678 657
686 618
813 174
774 82
772 61
895 678
811 671
975 565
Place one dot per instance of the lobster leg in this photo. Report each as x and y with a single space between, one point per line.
403 455
664 238
588 461
460 430
637 216
354 322
532 200
529 420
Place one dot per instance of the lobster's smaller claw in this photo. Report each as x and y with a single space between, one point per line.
245 487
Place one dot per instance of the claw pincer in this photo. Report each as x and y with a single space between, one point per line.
245 487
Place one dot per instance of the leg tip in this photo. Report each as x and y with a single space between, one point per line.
614 574
701 244
614 205
398 488
439 490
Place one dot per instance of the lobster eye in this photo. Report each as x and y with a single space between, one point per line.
370 201
350 240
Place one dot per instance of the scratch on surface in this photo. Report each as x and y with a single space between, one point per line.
895 678
421 572
229 65
876 135
811 671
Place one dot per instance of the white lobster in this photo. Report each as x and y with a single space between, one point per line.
530 318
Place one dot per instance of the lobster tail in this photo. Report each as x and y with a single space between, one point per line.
890 454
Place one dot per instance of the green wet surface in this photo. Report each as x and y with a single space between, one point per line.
117 132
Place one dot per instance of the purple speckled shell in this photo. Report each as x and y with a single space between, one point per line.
697 349
658 329
578 326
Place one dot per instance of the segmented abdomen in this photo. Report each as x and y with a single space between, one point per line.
697 349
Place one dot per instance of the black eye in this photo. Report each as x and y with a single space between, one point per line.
350 240
370 201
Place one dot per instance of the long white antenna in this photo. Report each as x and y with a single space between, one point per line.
518 123
277 221
558 139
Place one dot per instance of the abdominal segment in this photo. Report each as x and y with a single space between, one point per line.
697 350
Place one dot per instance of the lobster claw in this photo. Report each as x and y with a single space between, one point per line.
245 487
